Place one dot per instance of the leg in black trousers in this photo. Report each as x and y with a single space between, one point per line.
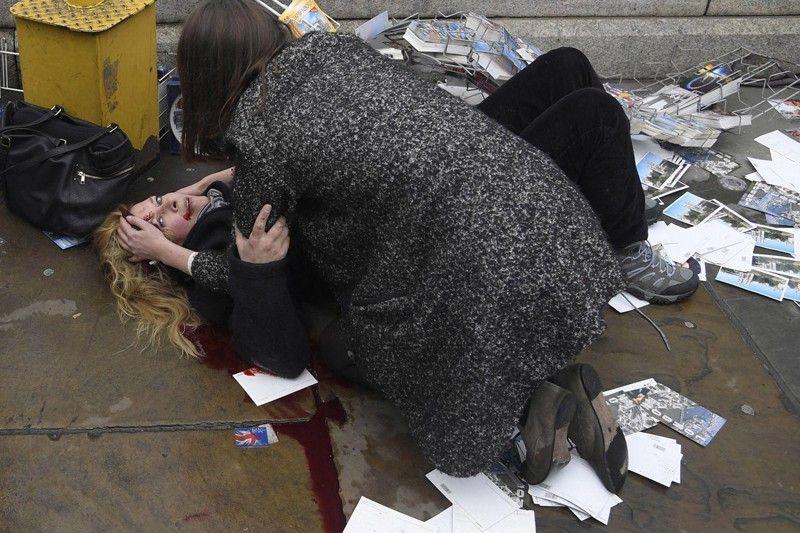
558 104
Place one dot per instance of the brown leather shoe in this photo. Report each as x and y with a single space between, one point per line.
544 433
593 429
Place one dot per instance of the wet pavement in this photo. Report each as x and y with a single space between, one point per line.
97 434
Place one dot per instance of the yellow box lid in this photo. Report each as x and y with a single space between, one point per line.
89 16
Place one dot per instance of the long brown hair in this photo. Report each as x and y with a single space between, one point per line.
145 294
224 45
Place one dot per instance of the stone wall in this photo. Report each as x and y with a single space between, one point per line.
626 38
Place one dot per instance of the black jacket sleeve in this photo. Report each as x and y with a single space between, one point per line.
265 325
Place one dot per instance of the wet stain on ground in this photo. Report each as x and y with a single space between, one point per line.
313 435
315 439
215 345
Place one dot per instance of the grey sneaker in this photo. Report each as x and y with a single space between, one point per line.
654 279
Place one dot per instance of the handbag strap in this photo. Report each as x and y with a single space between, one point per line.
52 113
63 149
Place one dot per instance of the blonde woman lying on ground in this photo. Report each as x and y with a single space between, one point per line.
165 300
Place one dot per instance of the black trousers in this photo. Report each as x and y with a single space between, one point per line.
558 104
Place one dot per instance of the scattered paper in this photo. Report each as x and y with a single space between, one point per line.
577 486
656 458
264 388
625 301
776 239
782 266
372 517
442 522
757 281
65 242
638 405
484 502
783 144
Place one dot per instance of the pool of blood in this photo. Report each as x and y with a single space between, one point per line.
313 435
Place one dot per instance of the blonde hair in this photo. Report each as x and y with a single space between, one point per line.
144 293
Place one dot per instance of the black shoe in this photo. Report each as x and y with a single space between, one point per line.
594 430
544 432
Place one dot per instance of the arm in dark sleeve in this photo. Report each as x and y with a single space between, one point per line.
265 326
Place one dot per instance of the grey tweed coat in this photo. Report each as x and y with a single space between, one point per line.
469 267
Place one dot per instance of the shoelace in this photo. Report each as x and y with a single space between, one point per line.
654 259
641 313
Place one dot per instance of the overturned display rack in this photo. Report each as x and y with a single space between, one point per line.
778 81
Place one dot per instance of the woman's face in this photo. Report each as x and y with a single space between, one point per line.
175 213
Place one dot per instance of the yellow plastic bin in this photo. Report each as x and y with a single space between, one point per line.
97 59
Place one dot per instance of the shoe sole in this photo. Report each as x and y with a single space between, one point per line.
586 431
659 299
539 460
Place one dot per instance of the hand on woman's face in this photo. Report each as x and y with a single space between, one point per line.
175 213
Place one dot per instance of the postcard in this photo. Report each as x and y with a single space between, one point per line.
656 172
691 209
776 201
774 239
65 242
264 388
783 266
508 481
789 109
794 134
718 163
677 412
629 414
624 302
667 190
730 218
485 503
792 291
757 281
254 437
372 517
576 485
778 221
654 457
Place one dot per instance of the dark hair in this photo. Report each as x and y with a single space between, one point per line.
224 45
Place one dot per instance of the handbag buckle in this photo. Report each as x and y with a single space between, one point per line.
112 128
58 109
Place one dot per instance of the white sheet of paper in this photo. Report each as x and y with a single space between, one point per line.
264 388
371 28
482 500
781 143
736 256
577 483
656 458
621 305
771 173
443 522
372 517
754 177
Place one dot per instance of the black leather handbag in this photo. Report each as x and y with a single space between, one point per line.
62 174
